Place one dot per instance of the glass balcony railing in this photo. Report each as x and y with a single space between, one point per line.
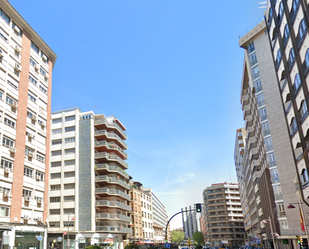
110 135
111 125
112 204
111 167
105 190
112 180
111 157
117 217
111 146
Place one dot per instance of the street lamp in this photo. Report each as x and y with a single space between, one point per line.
302 214
271 230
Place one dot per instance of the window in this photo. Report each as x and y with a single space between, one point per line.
54 211
28 151
69 140
304 176
30 114
69 198
281 12
40 157
69 211
302 31
274 175
28 172
7 142
56 153
291 58
43 72
68 224
69 118
1 94
56 164
69 162
5 211
54 224
260 99
33 62
32 79
271 159
263 114
69 174
258 86
9 121
57 120
286 34
69 151
54 199
268 143
55 187
44 56
5 163
303 111
253 59
294 9
278 59
32 96
39 175
265 129
307 60
68 129
55 176
4 16
251 47
27 192
34 47
12 82
56 131
43 89
297 83
255 72
69 186
293 127
9 100
57 141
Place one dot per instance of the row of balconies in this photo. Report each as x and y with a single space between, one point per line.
113 180
110 135
111 125
111 146
112 192
116 217
114 229
113 204
111 157
111 168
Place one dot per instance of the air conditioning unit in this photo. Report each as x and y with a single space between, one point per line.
30 154
17 48
7 170
43 124
13 104
38 178
30 136
17 67
46 77
36 67
40 200
39 218
6 194
33 118
26 217
13 150
16 29
44 57
27 198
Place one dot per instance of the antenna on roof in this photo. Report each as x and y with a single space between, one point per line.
262 5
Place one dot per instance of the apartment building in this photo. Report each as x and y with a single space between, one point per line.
189 221
141 206
89 187
26 64
265 122
223 220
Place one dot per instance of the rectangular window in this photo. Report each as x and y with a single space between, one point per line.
5 163
69 118
28 172
39 176
55 187
55 176
68 223
32 79
69 198
10 100
54 199
30 114
56 131
12 82
69 140
69 186
1 94
34 47
69 211
43 72
69 174
33 62
56 164
54 224
27 192
56 153
7 142
69 151
40 157
9 121
57 120
54 211
4 211
32 96
69 162
57 141
28 151
68 129
43 89
44 57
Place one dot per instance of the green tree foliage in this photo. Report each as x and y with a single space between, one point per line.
93 247
177 236
198 237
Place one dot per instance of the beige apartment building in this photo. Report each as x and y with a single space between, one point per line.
89 187
26 64
223 215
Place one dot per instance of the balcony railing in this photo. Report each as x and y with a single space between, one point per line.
110 167
111 125
111 157
111 146
112 192
110 135
112 180
114 229
108 216
112 204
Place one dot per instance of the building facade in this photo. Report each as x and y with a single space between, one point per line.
89 186
26 64
224 220
189 221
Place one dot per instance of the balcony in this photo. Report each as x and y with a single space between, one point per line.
256 174
105 155
251 131
110 135
112 192
113 204
112 147
247 110
111 125
245 99
254 153
116 217
111 168
114 229
112 180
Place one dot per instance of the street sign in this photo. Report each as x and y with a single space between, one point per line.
59 239
167 245
39 238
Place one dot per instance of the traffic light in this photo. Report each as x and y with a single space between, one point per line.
198 207
298 239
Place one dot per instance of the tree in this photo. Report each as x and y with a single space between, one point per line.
198 237
177 236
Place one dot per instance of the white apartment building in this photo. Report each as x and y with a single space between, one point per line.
147 222
89 188
26 64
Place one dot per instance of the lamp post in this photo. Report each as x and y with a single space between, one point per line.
302 214
271 230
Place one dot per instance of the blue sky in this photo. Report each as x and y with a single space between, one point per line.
169 70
